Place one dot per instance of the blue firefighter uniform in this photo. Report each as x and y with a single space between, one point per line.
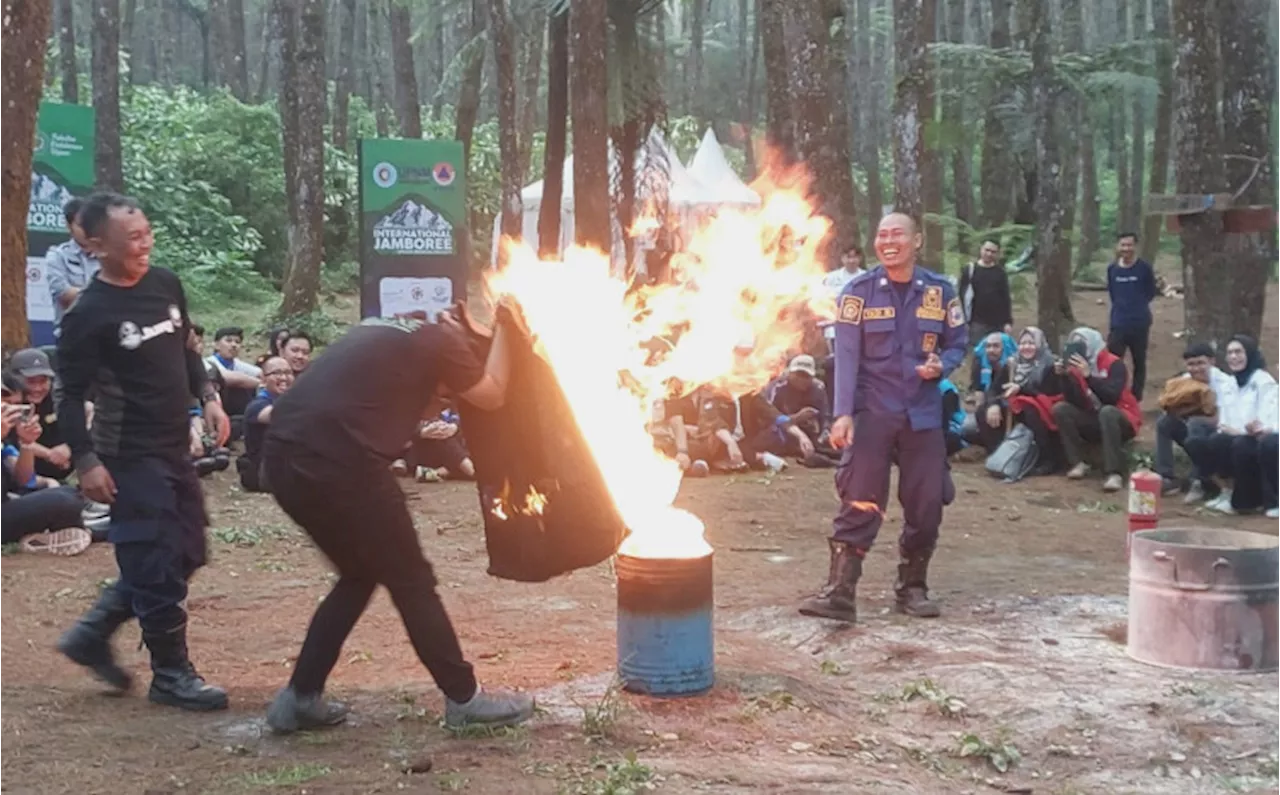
884 331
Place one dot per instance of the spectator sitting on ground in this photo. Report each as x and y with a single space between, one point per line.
196 339
1190 402
275 344
1025 390
207 457
1238 449
297 351
240 380
277 377
802 398
1097 406
440 451
713 430
53 456
45 520
990 354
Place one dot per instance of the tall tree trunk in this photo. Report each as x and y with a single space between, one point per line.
504 58
779 124
912 105
345 82
693 76
954 121
126 38
1053 255
1153 225
532 72
1078 109
22 49
437 53
67 52
1208 295
268 43
218 37
931 178
557 124
869 141
1248 79
284 25
302 283
237 51
408 112
1119 128
364 74
170 23
749 118
379 24
105 35
822 122
589 83
997 162
468 109
1138 154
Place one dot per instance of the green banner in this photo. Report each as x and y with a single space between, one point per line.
413 218
62 167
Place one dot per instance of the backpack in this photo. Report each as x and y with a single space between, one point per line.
1016 456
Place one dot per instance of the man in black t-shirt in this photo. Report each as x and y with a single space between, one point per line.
125 339
327 457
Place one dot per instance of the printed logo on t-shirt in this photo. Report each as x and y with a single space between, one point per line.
131 337
175 314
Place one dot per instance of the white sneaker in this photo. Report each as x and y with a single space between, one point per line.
1221 504
1273 513
772 462
1078 471
1194 494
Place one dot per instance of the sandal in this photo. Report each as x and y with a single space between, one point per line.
67 541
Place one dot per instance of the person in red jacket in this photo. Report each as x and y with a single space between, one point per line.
1097 406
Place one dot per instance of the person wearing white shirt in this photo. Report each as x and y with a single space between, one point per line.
241 380
1179 423
1243 446
832 284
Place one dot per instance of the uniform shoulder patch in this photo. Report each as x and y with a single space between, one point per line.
850 309
955 313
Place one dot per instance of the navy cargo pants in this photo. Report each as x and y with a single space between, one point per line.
862 481
157 526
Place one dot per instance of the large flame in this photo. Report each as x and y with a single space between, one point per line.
734 317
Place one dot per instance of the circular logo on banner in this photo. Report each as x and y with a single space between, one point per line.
444 174
33 274
39 142
384 175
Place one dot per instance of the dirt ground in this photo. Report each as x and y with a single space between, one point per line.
1026 670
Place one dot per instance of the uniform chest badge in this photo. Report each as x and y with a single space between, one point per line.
879 313
850 309
929 343
933 297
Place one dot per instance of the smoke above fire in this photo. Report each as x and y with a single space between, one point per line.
746 289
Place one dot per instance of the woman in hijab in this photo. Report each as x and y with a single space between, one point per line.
1244 446
1098 406
1026 388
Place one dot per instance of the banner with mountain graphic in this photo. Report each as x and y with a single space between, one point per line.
62 167
413 226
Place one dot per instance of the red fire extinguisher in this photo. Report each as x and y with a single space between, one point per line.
1144 504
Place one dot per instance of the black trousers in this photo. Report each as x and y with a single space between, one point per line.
157 527
360 521
1250 461
38 511
1134 340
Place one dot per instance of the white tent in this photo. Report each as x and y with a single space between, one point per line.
710 168
658 168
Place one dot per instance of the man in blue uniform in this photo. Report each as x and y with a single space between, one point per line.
900 329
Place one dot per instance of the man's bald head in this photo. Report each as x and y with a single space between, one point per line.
898 241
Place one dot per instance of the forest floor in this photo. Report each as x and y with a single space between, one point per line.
1025 671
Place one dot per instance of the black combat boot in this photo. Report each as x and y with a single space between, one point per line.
175 682
911 588
88 643
837 598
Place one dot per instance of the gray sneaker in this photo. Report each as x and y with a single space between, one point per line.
496 709
1194 494
291 712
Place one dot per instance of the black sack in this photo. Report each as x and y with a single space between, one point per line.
533 445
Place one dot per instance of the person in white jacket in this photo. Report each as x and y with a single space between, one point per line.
1243 447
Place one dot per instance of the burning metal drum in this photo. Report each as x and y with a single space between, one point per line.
1204 598
666 645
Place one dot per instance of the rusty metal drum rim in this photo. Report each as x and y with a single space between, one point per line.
1157 536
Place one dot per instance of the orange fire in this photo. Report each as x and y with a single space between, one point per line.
733 320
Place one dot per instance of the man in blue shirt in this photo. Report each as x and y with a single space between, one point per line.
900 329
1131 283
69 266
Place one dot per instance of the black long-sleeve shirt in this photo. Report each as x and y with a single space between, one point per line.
128 346
1109 387
990 304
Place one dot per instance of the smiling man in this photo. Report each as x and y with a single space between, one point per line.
125 340
900 329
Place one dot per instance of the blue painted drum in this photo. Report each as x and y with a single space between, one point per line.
666 643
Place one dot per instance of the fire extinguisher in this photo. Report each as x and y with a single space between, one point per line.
1144 504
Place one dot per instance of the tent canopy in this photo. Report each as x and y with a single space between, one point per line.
710 167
